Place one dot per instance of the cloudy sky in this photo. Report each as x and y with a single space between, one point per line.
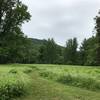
61 19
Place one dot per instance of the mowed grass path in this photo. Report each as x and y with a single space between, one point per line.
44 89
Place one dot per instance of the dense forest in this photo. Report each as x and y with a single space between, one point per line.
15 47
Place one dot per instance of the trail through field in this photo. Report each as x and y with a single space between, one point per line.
40 82
43 89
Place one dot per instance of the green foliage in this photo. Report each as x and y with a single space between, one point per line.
27 70
87 78
13 85
13 71
15 47
70 54
88 51
48 74
46 89
49 52
97 27
13 13
79 81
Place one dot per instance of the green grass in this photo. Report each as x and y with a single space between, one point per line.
13 83
84 77
47 81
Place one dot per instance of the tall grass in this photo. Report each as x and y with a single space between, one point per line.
80 81
13 84
83 77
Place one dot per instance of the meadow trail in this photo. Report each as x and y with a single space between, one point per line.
43 89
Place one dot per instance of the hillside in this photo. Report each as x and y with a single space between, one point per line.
39 42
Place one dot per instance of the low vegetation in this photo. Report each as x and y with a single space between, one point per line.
87 77
13 83
49 82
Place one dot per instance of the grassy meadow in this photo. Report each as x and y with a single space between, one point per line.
49 82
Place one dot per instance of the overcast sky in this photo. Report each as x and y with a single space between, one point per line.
61 19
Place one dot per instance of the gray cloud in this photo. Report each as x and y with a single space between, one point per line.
61 19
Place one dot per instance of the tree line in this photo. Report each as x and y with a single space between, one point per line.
86 54
15 47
